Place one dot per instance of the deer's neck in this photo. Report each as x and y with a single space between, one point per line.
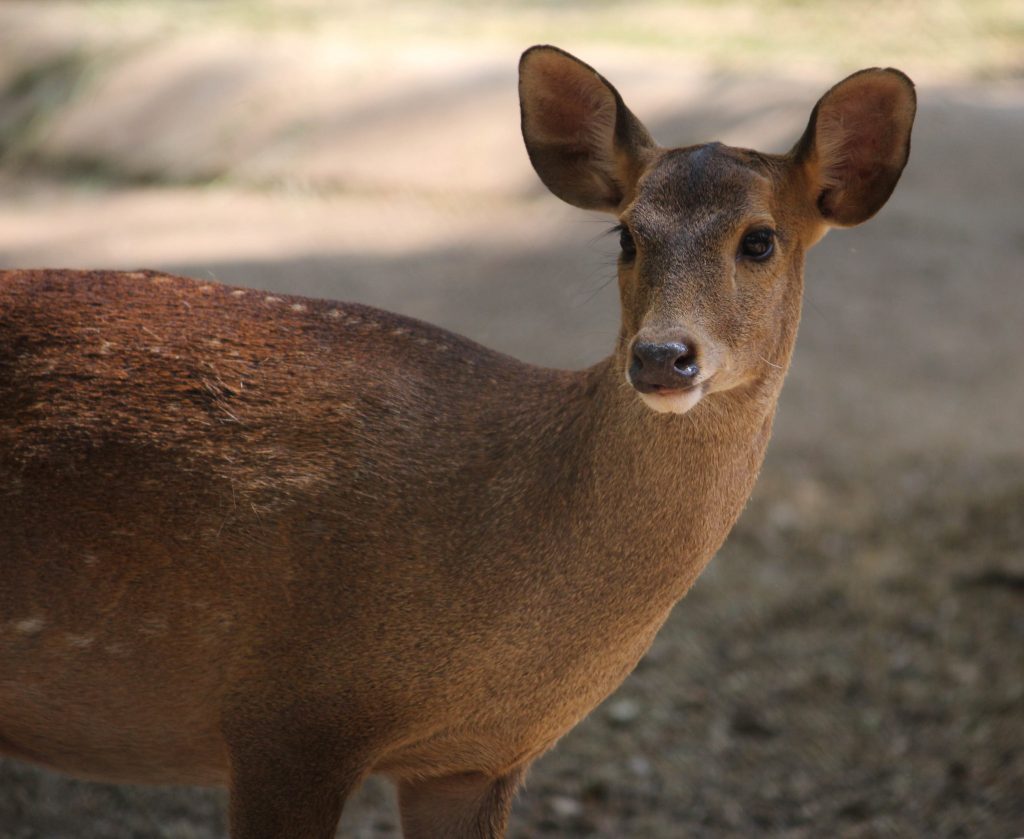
648 498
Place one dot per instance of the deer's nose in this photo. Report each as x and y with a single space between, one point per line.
663 366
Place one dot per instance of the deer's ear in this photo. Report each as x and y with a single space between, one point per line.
856 144
583 141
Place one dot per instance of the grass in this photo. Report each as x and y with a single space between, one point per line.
33 94
947 40
951 39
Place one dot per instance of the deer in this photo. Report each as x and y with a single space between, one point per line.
279 544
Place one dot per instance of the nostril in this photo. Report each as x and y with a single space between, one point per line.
689 370
683 359
638 357
685 363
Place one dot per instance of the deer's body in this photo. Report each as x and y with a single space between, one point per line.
209 515
278 543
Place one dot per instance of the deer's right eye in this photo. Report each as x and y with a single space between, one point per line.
626 243
758 244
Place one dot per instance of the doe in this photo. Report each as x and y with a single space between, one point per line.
279 544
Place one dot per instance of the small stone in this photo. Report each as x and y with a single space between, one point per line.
639 766
565 807
623 711
747 722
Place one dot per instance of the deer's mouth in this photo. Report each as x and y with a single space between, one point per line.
671 400
664 390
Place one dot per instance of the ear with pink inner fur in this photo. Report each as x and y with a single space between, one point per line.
582 140
856 144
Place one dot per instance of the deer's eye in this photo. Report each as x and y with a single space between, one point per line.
758 244
626 243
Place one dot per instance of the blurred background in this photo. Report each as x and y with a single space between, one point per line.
852 663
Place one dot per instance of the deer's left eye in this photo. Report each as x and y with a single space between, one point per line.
758 244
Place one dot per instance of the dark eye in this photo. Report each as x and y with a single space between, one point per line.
758 244
626 242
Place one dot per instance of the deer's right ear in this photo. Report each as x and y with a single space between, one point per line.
583 141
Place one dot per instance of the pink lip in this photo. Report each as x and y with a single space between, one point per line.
661 390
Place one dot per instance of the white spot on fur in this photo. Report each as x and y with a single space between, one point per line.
80 642
152 626
271 299
298 307
29 626
205 289
334 313
239 292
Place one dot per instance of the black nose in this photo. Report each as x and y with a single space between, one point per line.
670 366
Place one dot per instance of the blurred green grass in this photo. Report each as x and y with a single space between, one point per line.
53 55
947 39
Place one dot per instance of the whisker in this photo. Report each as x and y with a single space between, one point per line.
596 291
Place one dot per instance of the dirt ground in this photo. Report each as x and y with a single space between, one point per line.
852 662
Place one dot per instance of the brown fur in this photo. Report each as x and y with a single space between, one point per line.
279 543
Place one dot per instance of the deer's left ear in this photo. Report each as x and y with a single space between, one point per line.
856 144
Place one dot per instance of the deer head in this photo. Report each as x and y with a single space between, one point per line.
712 237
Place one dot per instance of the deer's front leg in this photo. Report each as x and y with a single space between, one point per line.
287 784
